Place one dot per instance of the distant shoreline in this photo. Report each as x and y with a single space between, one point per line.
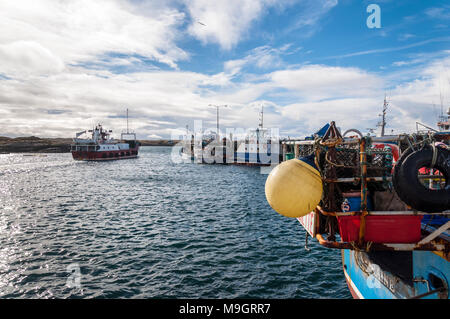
33 144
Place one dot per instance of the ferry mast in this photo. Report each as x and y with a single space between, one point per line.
382 124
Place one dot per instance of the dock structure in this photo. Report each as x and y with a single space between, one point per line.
234 152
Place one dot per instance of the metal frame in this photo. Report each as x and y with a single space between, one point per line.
429 243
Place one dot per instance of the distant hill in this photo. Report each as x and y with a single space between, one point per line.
53 145
157 142
34 144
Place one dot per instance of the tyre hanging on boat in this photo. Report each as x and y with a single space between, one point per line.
396 171
409 180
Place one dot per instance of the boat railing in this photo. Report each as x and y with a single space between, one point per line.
354 234
83 148
125 136
431 242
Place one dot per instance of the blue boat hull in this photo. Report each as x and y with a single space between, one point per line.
256 158
395 275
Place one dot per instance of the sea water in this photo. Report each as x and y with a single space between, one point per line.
151 228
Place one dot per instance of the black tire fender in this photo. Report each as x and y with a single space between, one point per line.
396 174
411 190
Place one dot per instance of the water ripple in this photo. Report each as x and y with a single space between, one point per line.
148 228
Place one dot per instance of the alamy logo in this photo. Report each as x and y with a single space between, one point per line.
374 19
374 275
74 279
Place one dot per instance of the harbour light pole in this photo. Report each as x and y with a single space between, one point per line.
217 107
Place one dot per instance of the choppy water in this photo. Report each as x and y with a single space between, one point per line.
149 228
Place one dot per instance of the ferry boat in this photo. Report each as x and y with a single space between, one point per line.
383 201
102 147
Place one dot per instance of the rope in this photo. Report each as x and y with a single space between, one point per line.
306 242
434 158
354 246
335 164
332 142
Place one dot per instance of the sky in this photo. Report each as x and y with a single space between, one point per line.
67 65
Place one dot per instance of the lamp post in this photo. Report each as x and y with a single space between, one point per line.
217 107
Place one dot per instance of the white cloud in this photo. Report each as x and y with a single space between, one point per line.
316 82
227 22
79 30
311 12
22 58
263 57
223 22
439 12
47 90
308 117
163 101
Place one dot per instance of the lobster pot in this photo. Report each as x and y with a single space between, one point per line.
289 156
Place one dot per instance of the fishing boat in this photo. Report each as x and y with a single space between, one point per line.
383 201
255 150
258 148
204 148
100 146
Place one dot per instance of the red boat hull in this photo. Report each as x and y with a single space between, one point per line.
105 155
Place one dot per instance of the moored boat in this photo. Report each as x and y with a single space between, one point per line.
257 148
383 201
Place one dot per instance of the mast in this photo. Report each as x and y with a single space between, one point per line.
382 124
127 121
261 117
128 131
444 121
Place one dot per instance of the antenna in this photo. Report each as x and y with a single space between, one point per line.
261 116
128 131
442 102
127 121
382 124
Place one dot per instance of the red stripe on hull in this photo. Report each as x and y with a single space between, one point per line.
354 295
105 155
347 278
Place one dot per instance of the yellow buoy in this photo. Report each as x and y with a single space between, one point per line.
294 188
